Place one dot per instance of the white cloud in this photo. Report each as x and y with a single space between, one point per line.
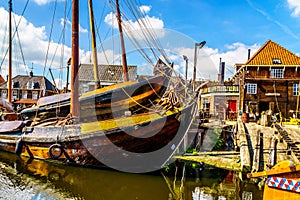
208 60
44 2
65 22
145 9
34 44
136 29
295 6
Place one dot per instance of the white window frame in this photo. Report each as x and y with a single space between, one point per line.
24 95
35 95
277 73
251 88
29 85
85 87
295 89
4 94
15 94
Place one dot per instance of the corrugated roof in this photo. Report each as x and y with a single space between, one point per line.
111 73
271 50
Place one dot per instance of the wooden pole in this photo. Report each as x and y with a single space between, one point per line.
9 78
124 60
75 59
67 83
94 47
53 79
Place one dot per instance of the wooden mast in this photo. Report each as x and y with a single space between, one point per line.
75 59
9 81
124 60
94 47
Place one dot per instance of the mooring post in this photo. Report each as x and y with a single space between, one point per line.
273 152
256 153
261 152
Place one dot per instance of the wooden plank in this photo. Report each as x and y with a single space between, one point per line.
219 162
244 150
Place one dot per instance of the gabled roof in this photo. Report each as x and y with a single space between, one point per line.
110 73
271 50
24 79
1 79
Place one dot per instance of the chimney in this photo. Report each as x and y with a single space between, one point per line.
222 72
219 74
249 51
31 74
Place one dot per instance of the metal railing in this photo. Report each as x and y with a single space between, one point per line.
221 89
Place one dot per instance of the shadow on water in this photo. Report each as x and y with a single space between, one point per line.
22 178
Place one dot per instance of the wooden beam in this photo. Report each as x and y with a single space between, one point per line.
219 162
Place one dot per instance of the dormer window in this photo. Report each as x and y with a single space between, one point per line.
276 61
16 84
29 85
36 85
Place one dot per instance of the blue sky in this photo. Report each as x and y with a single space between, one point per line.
229 27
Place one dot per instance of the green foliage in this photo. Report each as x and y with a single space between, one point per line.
219 145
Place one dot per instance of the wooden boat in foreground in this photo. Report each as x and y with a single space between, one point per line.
137 142
131 141
282 181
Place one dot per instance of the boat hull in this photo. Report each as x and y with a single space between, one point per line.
146 146
274 192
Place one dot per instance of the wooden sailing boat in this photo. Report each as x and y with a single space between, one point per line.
99 103
129 141
111 101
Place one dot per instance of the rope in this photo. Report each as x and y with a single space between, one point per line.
50 37
17 26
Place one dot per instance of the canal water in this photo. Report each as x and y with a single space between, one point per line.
22 178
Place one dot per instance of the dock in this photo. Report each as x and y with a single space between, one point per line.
257 148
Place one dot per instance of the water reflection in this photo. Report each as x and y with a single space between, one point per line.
22 178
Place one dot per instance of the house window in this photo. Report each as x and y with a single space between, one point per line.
276 73
24 96
29 85
4 94
16 84
15 94
36 85
85 87
296 89
251 88
35 95
276 61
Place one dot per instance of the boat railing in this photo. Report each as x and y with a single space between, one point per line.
221 89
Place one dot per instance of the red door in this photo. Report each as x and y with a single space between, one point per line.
232 109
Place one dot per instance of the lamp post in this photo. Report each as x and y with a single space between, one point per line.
186 66
197 45
186 72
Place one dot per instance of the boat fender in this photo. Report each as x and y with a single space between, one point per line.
55 151
19 146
